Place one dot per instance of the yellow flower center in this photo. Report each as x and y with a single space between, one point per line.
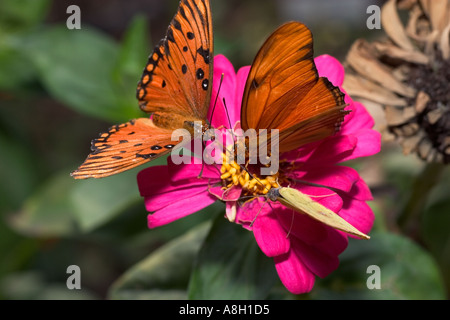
232 174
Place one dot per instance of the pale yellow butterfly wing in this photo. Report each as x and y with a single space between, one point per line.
300 202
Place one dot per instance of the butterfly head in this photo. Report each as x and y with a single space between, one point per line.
273 194
196 128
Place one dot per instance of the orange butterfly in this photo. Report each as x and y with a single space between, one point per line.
283 91
175 88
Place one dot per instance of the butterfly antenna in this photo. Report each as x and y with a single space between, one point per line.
228 115
312 184
322 196
292 224
259 211
217 96
318 186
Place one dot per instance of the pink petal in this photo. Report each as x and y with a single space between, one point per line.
231 211
302 154
358 119
293 273
330 151
336 177
301 226
157 181
179 209
333 244
341 148
358 214
152 178
159 192
160 199
312 232
231 194
192 172
369 143
360 191
320 262
330 67
247 212
269 234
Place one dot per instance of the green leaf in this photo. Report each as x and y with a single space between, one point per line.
31 285
76 67
97 201
406 271
436 234
16 15
401 172
164 273
154 294
17 168
64 206
49 211
128 70
16 251
230 265
15 70
133 55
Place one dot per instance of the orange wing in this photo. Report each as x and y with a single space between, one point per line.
124 147
283 91
178 75
175 86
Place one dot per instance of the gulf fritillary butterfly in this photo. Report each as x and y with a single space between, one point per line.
175 88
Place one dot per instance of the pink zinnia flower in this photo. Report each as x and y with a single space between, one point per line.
300 246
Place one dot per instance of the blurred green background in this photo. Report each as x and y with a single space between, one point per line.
59 88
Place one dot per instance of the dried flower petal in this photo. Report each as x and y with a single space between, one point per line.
408 75
393 26
367 89
361 58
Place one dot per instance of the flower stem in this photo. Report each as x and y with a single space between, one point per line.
409 218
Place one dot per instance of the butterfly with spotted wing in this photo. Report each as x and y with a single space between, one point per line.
175 88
